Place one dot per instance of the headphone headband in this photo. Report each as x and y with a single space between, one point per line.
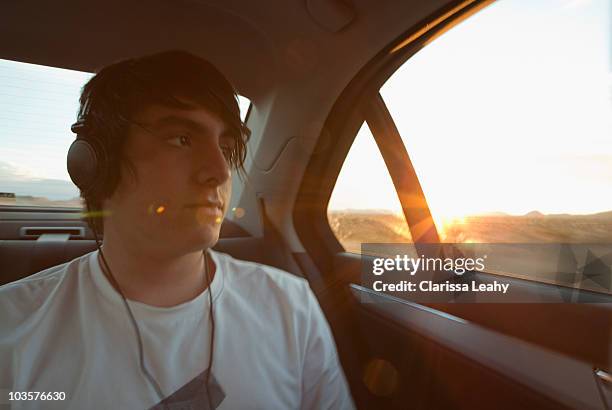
78 127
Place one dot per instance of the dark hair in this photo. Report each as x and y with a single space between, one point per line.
116 93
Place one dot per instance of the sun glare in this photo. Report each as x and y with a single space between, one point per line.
493 125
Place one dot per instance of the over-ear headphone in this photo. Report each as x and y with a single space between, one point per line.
87 159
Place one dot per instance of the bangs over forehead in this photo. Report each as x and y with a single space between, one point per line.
181 80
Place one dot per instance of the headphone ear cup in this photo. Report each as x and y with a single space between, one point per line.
85 161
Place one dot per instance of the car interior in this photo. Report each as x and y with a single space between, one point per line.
313 71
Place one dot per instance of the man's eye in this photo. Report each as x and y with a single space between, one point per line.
180 141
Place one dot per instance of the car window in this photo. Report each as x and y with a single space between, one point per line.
38 104
364 206
509 133
509 126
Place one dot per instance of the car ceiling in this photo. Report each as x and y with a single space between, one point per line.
292 58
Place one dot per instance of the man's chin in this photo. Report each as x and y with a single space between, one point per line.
202 230
205 237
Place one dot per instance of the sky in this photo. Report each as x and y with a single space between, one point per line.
510 111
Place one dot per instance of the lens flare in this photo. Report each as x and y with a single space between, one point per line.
95 214
155 209
238 212
380 377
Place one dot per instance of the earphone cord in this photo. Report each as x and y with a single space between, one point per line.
211 317
143 367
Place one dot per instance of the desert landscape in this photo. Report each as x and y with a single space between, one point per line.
27 200
352 227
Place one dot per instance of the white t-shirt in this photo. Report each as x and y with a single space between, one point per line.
67 330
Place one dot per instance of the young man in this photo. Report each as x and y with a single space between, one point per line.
155 318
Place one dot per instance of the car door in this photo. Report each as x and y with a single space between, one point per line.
380 174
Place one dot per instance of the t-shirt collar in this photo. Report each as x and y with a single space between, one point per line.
192 307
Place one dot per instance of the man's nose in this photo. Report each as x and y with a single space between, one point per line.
213 168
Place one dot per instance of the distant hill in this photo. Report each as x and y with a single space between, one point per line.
599 215
534 214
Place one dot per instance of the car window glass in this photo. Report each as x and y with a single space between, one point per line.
364 206
38 105
509 125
